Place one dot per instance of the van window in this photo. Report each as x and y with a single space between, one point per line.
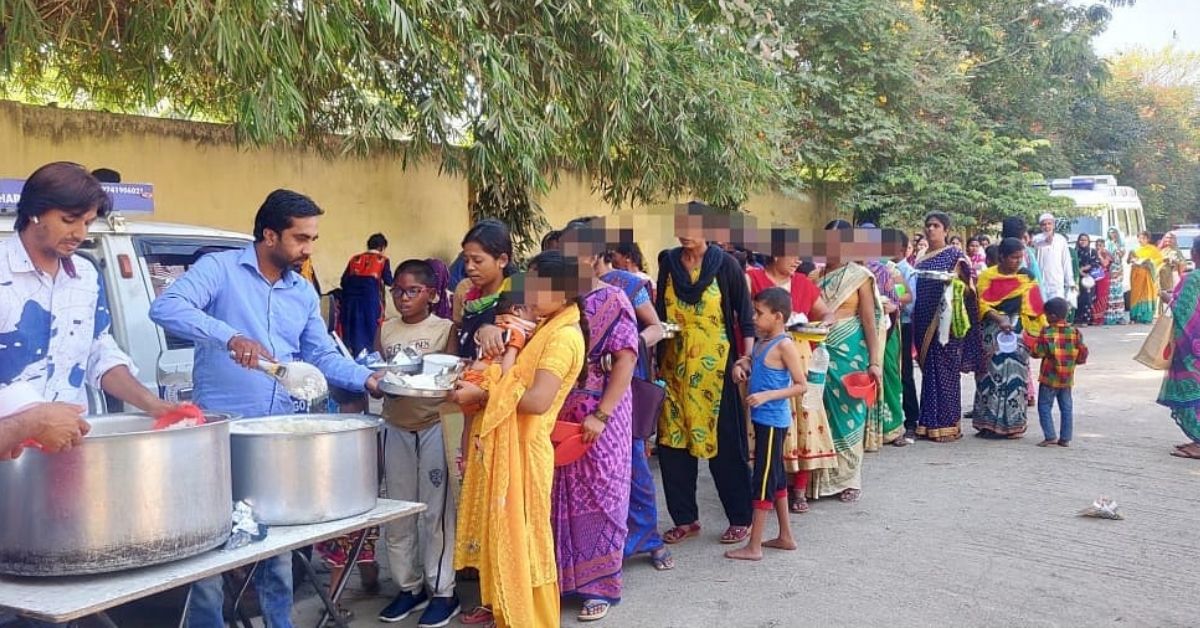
1126 228
1086 224
168 258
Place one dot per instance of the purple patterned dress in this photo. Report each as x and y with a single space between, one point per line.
591 495
941 389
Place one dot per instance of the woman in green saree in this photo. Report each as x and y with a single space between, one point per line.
854 345
1181 385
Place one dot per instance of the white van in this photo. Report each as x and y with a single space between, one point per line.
1102 204
138 261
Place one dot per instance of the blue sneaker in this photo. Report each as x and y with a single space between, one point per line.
441 610
402 606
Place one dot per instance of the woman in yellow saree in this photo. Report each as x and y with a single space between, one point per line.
504 528
1144 263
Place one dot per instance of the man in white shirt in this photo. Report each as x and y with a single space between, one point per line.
1054 258
54 317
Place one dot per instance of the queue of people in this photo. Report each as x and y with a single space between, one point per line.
559 409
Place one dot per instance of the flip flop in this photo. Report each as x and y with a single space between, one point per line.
478 616
1179 453
593 610
662 560
735 534
797 504
679 533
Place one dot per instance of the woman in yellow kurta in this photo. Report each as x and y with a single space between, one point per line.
703 290
1143 279
504 518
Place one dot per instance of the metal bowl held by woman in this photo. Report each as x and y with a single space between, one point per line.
129 496
305 468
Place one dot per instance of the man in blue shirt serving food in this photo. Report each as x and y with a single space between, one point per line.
241 306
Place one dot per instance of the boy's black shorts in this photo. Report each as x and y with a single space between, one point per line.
770 478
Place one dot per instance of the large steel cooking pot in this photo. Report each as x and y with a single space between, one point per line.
305 468
128 497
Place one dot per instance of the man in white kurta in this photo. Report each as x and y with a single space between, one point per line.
1054 258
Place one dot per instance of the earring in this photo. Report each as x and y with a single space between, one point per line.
436 299
35 220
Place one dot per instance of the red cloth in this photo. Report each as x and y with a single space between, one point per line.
804 291
368 264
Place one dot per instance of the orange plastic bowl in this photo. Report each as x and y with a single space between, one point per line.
564 430
860 386
570 450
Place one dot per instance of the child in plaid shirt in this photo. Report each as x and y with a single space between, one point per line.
1061 348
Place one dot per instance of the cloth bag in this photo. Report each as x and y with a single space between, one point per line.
648 397
1156 350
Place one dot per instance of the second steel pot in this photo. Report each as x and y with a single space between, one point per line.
305 468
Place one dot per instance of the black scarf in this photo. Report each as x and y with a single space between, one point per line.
681 280
1087 257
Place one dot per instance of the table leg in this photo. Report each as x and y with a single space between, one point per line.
238 592
351 560
187 601
331 611
105 620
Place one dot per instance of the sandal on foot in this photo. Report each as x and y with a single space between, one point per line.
797 503
1186 453
1064 443
1047 443
735 534
850 495
679 533
478 616
662 560
593 610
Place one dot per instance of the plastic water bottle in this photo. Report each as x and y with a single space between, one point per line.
818 367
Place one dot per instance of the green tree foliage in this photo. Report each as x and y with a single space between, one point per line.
953 105
1144 127
649 97
1026 62
972 174
866 80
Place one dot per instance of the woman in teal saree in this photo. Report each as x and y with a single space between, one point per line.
1181 385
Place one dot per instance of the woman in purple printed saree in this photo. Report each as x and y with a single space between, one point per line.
591 495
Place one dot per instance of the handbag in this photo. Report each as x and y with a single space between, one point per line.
648 397
1157 349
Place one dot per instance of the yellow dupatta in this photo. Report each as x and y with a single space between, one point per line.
501 530
1149 253
995 288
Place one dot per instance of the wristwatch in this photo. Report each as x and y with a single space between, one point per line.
601 415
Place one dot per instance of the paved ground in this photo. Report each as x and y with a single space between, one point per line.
973 533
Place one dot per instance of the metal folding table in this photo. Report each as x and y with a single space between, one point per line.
65 599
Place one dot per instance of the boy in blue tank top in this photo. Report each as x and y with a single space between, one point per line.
776 376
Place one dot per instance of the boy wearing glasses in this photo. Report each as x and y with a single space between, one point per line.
421 550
